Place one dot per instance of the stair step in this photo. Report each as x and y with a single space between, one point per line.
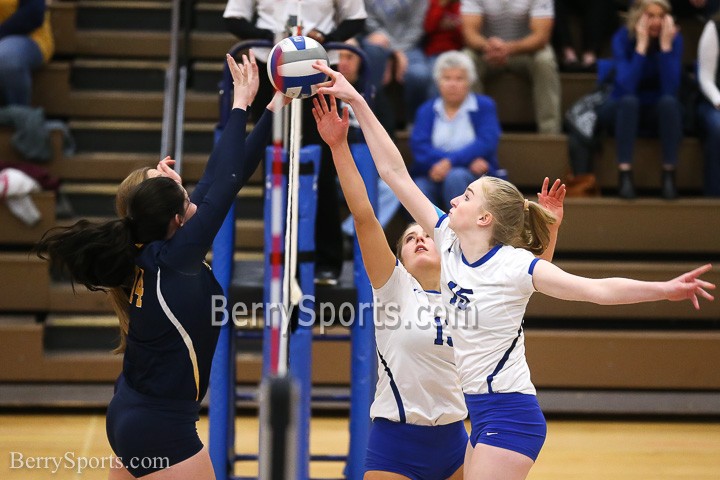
209 17
125 75
123 15
26 282
145 44
80 333
114 166
136 137
15 232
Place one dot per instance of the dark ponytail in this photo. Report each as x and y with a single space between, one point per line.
99 256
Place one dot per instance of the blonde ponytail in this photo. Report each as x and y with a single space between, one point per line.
517 222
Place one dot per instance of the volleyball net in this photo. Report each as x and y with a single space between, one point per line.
285 395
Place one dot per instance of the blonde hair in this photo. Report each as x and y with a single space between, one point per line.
638 8
516 221
119 296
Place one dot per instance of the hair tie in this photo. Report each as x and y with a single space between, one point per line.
526 206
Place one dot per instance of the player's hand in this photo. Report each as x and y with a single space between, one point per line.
279 100
332 128
242 90
337 86
689 286
553 199
164 166
254 79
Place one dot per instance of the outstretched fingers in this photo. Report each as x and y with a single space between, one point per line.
238 73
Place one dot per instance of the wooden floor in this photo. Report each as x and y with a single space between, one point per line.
578 450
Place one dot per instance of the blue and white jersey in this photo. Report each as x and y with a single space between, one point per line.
417 378
486 303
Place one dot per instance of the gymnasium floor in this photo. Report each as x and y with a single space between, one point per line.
578 450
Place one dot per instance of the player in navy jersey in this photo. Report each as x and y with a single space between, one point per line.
419 408
155 255
488 273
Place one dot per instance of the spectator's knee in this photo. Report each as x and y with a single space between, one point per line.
669 103
10 67
545 60
712 125
629 102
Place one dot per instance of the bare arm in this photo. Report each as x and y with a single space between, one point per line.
387 157
540 32
378 258
553 281
472 32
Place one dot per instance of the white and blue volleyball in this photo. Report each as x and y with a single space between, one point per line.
290 66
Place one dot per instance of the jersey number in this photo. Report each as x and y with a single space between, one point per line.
439 338
459 299
138 288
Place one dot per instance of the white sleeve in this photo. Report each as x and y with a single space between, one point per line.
542 9
442 231
350 10
471 7
520 270
240 9
707 62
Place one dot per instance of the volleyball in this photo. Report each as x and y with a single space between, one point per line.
290 66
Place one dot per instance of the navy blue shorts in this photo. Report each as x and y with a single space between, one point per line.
417 451
147 433
512 421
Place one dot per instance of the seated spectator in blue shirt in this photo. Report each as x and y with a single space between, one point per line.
647 53
456 135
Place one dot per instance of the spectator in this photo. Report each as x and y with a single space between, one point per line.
709 108
26 43
325 21
442 28
596 17
694 8
395 32
515 36
456 135
647 53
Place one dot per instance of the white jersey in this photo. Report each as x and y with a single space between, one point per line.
417 378
486 303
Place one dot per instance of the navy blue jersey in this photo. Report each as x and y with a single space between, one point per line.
171 340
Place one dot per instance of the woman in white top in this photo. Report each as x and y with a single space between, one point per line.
418 411
487 276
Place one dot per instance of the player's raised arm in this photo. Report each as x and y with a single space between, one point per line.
378 258
387 157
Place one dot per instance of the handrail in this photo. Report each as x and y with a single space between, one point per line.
167 142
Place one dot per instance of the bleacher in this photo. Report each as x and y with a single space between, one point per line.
106 81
